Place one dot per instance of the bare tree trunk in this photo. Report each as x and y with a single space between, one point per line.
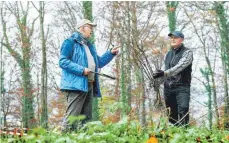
128 73
87 9
44 75
38 100
139 71
143 99
44 78
141 82
213 90
2 89
224 30
207 86
117 59
123 83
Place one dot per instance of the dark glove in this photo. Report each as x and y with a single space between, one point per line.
158 73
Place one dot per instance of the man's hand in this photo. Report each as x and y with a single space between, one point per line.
115 50
158 73
86 71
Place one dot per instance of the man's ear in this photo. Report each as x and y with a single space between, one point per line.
81 28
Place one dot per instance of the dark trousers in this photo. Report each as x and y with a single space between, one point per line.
78 103
177 101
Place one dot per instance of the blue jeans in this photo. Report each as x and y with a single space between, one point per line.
177 100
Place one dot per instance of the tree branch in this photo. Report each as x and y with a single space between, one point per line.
32 28
15 54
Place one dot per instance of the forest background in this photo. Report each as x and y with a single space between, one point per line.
32 33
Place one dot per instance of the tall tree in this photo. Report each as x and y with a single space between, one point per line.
130 8
171 12
139 73
44 75
123 83
20 13
124 38
111 39
224 36
206 73
87 9
2 89
44 79
2 100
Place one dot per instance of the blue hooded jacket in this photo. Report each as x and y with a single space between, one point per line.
73 60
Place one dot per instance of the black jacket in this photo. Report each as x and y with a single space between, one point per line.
171 60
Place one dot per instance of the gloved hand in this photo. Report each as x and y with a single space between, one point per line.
158 73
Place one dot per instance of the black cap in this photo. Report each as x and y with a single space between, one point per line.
177 34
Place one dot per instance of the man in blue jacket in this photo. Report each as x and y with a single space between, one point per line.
78 58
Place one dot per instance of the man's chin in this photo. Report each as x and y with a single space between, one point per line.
88 36
173 45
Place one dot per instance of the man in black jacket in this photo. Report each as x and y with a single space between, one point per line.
177 74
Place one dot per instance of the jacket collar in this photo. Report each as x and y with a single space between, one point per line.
78 37
178 49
